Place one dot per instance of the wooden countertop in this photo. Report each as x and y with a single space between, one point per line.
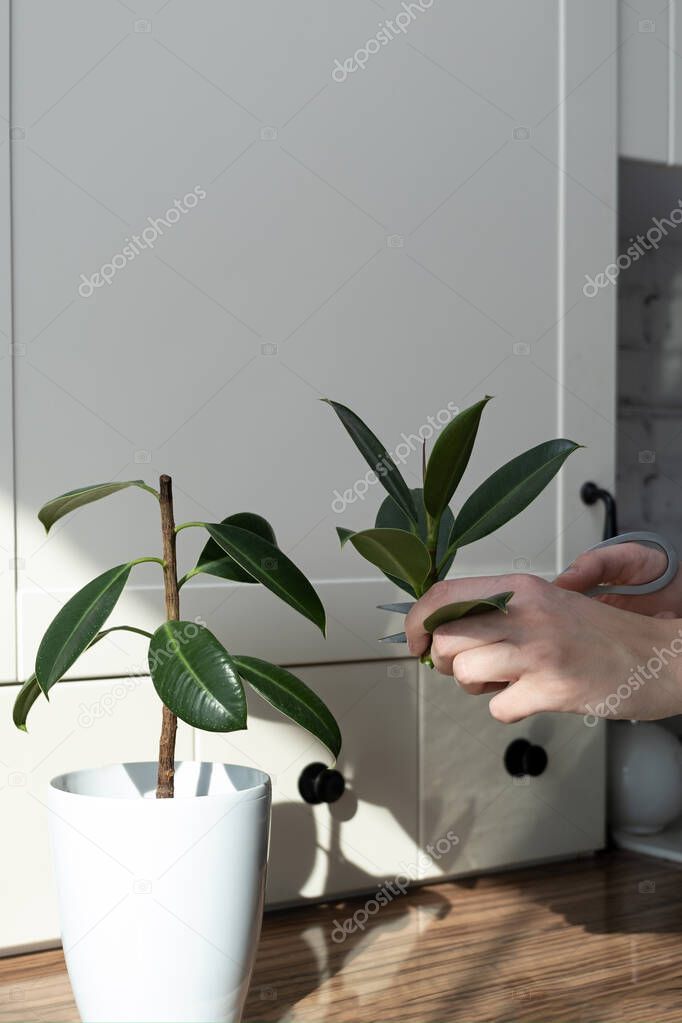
594 940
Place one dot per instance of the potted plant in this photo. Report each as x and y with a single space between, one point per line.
416 535
161 898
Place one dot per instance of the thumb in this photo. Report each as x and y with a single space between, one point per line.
628 563
588 570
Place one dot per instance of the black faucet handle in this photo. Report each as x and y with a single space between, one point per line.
590 493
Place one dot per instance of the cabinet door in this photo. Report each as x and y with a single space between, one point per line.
647 62
675 80
370 834
474 815
85 724
650 48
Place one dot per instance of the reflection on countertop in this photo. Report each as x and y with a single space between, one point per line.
595 939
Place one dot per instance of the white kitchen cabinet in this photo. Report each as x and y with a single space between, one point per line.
650 79
86 724
370 833
415 235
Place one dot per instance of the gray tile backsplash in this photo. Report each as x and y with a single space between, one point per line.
649 482
649 457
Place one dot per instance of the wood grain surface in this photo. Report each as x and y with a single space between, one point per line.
594 940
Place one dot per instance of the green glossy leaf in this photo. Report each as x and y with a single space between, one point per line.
77 624
395 551
291 697
401 584
214 561
196 678
509 490
30 690
271 567
119 628
26 697
60 506
390 516
450 457
463 608
377 457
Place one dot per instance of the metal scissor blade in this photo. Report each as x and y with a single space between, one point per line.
401 608
397 637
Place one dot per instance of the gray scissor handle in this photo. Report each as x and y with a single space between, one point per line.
649 540
640 589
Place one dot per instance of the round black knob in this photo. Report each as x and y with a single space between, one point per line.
522 758
321 784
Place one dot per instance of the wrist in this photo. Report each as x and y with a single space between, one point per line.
663 663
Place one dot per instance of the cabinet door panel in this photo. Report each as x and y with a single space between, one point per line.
86 724
499 820
370 833
675 82
644 80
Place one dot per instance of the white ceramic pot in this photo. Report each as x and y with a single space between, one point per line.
645 777
160 900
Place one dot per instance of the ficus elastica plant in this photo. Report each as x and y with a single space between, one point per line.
416 534
196 678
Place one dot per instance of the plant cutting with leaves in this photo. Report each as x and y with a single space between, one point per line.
197 679
416 535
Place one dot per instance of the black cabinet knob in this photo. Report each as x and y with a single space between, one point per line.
522 758
321 784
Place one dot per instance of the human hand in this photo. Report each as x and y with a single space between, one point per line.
555 650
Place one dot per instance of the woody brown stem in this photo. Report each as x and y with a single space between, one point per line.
166 775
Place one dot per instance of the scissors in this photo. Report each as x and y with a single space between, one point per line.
638 589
